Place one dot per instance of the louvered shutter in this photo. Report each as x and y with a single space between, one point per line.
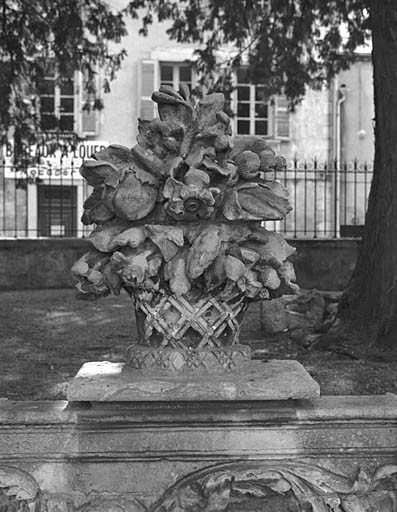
282 115
148 71
88 125
89 121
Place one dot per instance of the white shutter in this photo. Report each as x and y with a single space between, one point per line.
88 120
282 116
148 83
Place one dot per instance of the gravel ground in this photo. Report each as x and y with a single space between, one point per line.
46 335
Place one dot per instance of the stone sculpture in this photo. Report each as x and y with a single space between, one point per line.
178 226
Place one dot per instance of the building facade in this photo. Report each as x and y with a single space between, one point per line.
330 124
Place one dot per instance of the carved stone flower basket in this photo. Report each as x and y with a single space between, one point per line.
178 226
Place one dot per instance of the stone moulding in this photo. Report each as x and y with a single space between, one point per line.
252 485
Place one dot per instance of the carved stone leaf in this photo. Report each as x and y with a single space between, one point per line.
362 482
96 172
80 268
18 483
234 268
172 188
130 268
113 505
215 274
188 498
249 256
260 488
357 504
249 284
230 290
203 251
217 490
117 155
147 159
235 233
95 198
112 279
269 277
102 237
132 237
94 208
249 143
195 156
173 110
176 272
263 201
209 106
384 473
154 264
169 239
213 166
90 260
384 501
231 208
99 214
274 251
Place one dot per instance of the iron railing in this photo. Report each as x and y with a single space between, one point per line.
329 200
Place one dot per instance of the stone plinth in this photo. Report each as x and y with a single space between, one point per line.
271 380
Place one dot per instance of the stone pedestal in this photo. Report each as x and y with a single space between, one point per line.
328 453
257 380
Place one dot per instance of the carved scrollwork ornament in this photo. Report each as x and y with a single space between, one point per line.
266 486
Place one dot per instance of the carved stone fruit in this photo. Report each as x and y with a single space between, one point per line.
134 196
269 278
248 164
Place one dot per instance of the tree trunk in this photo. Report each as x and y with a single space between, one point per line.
368 309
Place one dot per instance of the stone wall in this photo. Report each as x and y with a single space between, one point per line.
325 264
34 263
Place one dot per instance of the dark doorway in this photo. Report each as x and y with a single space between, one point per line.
57 209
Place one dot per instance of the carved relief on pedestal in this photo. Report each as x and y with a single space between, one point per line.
281 486
271 486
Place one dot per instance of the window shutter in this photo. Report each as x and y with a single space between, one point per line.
282 117
89 120
148 71
88 123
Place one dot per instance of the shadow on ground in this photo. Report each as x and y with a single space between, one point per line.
46 335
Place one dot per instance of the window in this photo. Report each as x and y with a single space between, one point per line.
256 114
154 73
174 73
56 102
253 110
57 205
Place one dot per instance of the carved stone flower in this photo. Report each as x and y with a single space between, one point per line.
191 199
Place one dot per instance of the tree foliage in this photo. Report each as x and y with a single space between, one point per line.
287 44
73 34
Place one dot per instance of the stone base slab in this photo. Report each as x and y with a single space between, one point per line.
258 380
